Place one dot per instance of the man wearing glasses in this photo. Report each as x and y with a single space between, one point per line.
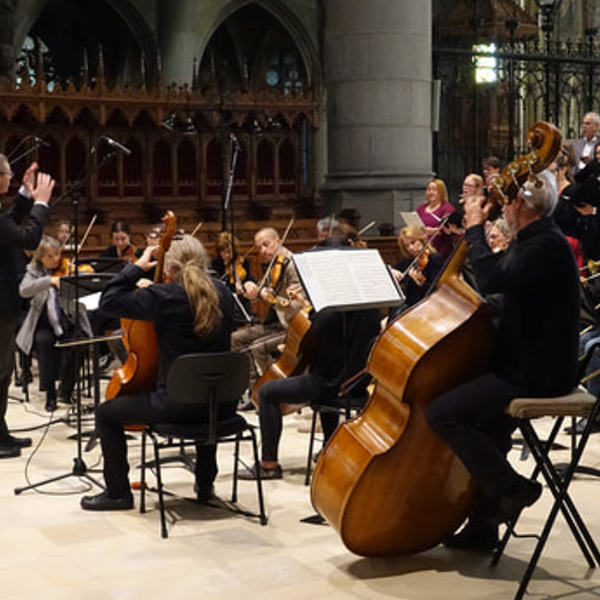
17 233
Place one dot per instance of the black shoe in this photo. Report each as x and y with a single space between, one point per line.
9 451
50 405
265 473
204 493
103 501
20 442
525 493
23 378
478 536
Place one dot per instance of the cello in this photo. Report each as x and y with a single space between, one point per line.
139 337
385 481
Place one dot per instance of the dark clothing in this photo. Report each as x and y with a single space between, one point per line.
168 307
15 236
536 351
411 289
338 346
538 333
585 228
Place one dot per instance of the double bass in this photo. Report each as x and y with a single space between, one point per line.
139 337
385 481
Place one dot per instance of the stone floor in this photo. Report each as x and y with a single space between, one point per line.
53 549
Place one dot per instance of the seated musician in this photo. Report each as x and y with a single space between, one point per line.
262 339
234 271
535 355
415 274
340 344
121 246
325 228
45 323
191 313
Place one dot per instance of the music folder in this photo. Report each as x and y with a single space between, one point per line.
347 279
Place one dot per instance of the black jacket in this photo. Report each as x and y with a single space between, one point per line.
15 236
538 332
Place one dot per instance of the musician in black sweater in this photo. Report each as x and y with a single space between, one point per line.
191 313
536 352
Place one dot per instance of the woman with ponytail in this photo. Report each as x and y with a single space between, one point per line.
191 313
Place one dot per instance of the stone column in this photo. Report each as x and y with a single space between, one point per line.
378 73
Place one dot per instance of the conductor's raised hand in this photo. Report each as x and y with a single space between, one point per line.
29 177
43 188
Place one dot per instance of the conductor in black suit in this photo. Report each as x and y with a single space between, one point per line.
17 233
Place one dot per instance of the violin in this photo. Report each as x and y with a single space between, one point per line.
384 480
235 272
67 267
128 254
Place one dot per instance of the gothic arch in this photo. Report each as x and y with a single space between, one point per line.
27 13
288 19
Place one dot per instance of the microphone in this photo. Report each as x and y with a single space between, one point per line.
116 144
41 141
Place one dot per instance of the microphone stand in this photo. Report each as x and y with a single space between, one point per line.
226 206
79 467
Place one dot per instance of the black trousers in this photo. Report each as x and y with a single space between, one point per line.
148 408
54 364
7 358
296 389
470 418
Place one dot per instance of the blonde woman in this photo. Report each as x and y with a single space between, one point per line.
45 323
432 212
191 313
416 274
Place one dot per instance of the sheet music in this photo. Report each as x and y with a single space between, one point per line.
91 301
411 218
347 279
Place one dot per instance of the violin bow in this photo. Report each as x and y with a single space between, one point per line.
197 228
366 228
86 233
331 219
276 253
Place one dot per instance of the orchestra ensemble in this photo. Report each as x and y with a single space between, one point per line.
525 232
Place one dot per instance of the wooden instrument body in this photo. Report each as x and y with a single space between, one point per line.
385 481
139 371
293 358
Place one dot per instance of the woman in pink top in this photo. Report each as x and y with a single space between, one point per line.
432 211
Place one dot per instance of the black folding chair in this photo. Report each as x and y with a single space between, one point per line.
208 378
577 404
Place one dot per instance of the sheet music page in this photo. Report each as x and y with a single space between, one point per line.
411 218
91 301
346 279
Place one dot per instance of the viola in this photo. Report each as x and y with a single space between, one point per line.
140 370
385 481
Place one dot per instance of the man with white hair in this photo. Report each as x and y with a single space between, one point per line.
535 354
584 146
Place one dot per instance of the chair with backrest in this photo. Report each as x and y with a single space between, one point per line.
578 403
212 379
